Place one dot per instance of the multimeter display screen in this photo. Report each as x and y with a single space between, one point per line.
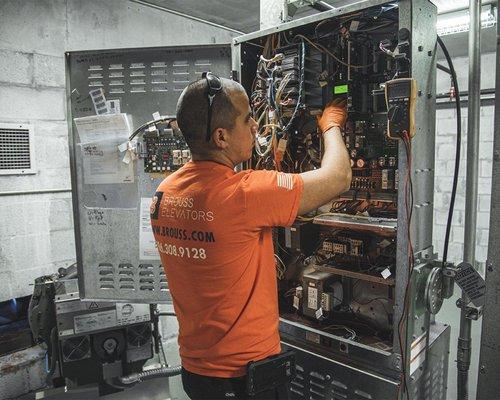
399 90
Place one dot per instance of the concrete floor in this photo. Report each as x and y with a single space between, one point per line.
160 389
155 389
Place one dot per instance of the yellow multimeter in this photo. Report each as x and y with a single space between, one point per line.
401 100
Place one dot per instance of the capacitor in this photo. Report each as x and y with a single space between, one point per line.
381 161
354 153
360 163
392 161
373 163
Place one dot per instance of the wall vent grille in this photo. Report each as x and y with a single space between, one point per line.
16 149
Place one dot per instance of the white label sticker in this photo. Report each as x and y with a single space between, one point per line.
132 313
66 332
147 244
319 313
113 106
156 115
296 302
262 140
312 298
69 306
386 273
123 146
95 321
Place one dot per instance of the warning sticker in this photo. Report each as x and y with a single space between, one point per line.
312 298
471 282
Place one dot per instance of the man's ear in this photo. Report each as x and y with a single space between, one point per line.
220 138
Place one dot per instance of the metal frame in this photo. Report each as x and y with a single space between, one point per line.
418 17
337 12
471 192
488 384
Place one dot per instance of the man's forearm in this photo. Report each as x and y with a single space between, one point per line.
335 160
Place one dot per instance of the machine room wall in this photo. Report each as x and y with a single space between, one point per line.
445 161
36 231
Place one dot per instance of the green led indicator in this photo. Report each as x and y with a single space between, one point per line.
340 89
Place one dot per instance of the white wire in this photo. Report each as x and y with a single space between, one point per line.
280 270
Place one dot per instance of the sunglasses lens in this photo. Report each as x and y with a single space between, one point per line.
214 83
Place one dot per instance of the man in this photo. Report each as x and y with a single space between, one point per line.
213 229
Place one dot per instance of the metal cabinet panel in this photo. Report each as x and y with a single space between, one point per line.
107 216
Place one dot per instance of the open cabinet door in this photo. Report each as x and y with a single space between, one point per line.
112 93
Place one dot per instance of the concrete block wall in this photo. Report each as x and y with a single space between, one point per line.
445 162
36 232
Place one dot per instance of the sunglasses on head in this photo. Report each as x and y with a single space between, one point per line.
214 86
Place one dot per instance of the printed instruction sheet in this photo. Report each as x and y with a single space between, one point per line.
102 161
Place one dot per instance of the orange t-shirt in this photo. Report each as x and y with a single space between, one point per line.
212 227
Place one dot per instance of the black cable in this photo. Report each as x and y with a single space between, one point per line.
154 121
408 188
457 150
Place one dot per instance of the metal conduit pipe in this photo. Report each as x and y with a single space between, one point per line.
464 339
41 191
322 6
150 374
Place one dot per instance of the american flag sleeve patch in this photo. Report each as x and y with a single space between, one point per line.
284 180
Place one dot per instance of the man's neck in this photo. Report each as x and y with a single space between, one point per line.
217 158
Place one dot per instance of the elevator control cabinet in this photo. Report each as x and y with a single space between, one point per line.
354 292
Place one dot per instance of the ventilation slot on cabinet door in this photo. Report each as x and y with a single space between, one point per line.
106 276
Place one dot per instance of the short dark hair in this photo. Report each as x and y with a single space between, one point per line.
192 111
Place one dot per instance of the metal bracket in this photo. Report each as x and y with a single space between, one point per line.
290 7
471 312
450 270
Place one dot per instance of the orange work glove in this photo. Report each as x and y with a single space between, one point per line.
334 114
